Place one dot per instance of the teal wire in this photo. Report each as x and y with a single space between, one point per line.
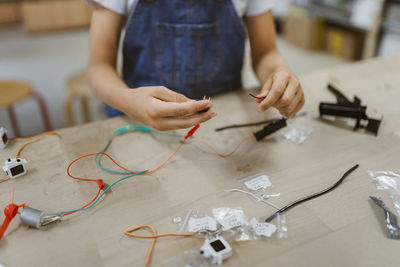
97 161
105 191
118 132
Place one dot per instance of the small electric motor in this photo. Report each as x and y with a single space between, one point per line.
3 138
15 167
216 249
36 218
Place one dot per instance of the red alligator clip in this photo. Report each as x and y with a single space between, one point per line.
10 211
192 131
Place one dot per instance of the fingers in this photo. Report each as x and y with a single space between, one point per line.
168 95
295 105
264 91
172 123
171 109
279 84
289 94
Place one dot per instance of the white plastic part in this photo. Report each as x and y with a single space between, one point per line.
15 167
3 138
216 249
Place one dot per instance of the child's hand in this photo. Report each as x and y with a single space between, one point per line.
163 109
282 91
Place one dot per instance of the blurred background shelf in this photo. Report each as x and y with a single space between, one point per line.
45 15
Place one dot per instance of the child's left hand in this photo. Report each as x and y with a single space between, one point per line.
282 91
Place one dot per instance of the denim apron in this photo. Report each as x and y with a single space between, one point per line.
193 47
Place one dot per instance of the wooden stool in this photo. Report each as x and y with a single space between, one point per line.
78 88
12 92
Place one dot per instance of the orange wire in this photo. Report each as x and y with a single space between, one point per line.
27 143
32 141
120 166
225 155
98 193
92 154
28 137
4 179
154 237
100 181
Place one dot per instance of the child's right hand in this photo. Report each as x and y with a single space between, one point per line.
164 109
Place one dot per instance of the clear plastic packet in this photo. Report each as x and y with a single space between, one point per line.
194 221
229 218
281 227
388 180
259 185
262 230
233 220
297 133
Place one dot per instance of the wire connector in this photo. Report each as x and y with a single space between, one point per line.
270 129
192 131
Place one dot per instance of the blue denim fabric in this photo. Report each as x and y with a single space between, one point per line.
189 46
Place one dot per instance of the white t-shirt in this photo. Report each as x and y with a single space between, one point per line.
247 8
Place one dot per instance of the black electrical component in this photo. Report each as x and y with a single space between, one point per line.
307 198
270 129
345 108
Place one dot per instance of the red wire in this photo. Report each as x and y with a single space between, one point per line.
100 181
225 155
98 193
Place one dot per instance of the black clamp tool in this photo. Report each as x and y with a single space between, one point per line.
270 129
345 108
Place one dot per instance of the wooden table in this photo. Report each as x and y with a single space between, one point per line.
338 229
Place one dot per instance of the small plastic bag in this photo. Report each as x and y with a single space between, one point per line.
297 133
229 218
279 220
194 221
262 229
281 227
233 220
259 185
390 181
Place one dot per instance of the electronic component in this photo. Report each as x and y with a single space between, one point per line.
270 129
301 200
256 97
345 108
206 109
392 225
216 249
36 218
15 167
3 138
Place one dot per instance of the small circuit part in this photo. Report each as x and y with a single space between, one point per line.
345 108
206 109
216 249
256 97
3 138
307 198
36 218
392 224
270 129
15 167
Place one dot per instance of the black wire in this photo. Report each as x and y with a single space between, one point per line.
245 125
256 123
256 96
301 200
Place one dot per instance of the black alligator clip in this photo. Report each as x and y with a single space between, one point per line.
345 108
270 129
